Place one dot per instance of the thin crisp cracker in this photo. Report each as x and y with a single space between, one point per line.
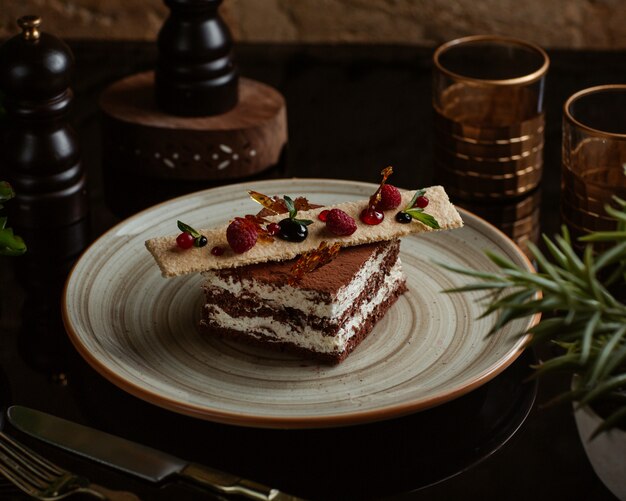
174 261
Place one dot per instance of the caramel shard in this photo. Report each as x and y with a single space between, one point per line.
173 261
312 260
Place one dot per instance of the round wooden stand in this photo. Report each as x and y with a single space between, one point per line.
140 139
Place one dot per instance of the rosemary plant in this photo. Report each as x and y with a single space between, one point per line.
579 297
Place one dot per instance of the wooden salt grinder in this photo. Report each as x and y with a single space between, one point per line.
39 154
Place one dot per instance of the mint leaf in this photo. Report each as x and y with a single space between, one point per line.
305 222
185 228
290 207
422 217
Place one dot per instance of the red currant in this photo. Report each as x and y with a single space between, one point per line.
421 202
217 250
273 228
323 215
371 216
185 240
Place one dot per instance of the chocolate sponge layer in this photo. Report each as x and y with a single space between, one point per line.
251 305
322 286
258 338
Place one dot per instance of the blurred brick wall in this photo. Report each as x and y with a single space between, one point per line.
551 23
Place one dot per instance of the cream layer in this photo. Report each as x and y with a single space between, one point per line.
307 301
308 337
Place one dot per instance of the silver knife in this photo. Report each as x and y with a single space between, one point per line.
130 457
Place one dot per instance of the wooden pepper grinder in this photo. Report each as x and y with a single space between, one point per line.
193 118
39 154
195 73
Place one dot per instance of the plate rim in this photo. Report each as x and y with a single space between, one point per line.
273 421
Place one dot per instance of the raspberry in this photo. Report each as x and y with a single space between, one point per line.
339 223
241 235
390 198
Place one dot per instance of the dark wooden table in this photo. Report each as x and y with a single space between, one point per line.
351 110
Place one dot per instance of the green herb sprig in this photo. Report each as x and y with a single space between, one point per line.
418 214
585 314
198 239
10 244
293 212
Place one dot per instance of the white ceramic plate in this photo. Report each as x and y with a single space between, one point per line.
139 329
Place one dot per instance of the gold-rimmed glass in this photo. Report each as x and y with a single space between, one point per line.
489 117
594 157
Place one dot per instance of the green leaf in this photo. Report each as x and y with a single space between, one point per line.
600 363
547 327
10 244
185 228
557 255
507 315
501 261
617 214
305 222
563 362
567 396
588 336
594 287
6 192
525 278
612 255
542 262
515 300
478 287
611 421
604 387
616 360
472 273
604 236
290 207
417 194
422 217
564 243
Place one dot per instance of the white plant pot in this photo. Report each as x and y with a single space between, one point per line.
606 452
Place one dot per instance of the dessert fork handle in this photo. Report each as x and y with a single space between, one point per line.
105 494
225 483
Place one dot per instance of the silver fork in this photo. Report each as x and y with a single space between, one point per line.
44 480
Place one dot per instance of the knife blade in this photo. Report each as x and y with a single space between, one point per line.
136 459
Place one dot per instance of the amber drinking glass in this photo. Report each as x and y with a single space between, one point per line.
594 157
489 118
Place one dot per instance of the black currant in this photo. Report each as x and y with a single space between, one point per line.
292 231
403 217
201 241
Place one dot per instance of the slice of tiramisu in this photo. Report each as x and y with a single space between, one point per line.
277 279
324 316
